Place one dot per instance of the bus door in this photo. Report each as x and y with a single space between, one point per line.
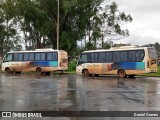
17 62
94 67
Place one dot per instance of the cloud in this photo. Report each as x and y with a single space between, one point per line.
137 39
145 27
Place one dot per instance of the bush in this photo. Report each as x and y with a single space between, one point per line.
72 66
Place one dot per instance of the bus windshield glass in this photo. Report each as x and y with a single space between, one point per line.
83 59
8 57
152 53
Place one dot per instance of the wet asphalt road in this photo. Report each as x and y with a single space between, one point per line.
71 92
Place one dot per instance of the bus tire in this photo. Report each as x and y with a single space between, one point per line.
121 74
8 70
39 71
85 72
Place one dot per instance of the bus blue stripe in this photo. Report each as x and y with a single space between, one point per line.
128 66
44 64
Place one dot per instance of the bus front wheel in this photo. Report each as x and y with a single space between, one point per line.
121 73
8 70
39 71
85 72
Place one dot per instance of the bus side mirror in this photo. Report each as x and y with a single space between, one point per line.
4 59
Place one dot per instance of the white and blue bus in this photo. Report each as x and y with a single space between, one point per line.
121 61
40 60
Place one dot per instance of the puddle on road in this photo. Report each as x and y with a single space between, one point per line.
75 92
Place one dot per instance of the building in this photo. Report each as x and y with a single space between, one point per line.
119 45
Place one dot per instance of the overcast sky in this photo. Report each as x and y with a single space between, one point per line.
145 27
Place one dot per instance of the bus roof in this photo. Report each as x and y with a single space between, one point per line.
38 50
118 49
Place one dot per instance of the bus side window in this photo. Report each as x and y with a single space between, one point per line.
49 56
55 56
26 56
31 56
96 56
109 56
37 57
15 56
139 55
131 56
102 57
92 57
116 56
123 56
20 56
43 56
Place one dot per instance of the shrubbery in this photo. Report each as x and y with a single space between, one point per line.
72 66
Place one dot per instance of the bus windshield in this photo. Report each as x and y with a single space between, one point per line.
152 53
7 57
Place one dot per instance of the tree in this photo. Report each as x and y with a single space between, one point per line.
8 34
79 20
157 47
112 19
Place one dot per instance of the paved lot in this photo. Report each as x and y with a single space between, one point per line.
71 92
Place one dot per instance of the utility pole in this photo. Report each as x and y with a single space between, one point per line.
58 25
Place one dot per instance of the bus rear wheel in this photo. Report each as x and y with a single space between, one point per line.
85 73
121 74
8 70
39 71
